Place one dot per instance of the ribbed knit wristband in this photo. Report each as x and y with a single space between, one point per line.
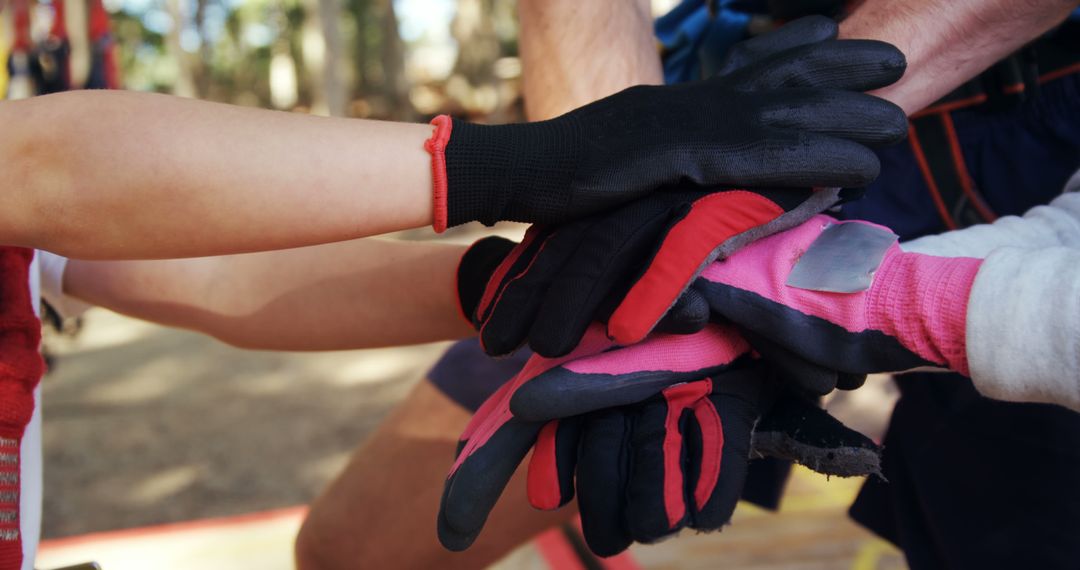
922 301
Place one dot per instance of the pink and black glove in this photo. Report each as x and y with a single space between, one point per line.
844 296
796 116
662 445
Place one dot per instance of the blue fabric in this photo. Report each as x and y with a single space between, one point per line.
1017 159
694 43
468 376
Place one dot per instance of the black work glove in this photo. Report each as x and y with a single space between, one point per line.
680 460
794 117
702 394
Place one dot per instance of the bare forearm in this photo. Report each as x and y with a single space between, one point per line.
129 175
575 52
357 294
948 42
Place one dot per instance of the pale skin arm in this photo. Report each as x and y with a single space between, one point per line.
353 294
576 52
948 42
176 177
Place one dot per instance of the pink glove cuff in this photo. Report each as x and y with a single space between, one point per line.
922 301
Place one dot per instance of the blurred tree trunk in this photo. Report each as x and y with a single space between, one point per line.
202 75
323 57
395 83
473 82
185 82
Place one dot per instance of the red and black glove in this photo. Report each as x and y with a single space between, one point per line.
695 396
681 459
626 267
794 117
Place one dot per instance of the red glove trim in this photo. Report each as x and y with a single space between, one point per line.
679 397
543 476
712 439
436 146
711 222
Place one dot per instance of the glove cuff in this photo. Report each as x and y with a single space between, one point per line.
922 301
477 266
518 172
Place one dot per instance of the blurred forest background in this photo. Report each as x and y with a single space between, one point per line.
387 59
401 60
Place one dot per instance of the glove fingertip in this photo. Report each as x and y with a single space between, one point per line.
450 538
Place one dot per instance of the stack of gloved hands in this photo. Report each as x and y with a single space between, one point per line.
681 334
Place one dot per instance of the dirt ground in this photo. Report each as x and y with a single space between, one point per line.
146 425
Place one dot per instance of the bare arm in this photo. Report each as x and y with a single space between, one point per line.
575 52
355 294
299 180
948 42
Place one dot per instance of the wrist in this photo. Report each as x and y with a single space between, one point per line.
922 301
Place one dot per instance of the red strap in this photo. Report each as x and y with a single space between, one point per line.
679 397
928 176
712 442
543 476
712 221
436 146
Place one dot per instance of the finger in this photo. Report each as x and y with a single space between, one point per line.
627 375
550 481
855 65
726 421
689 315
843 114
601 481
472 490
479 269
814 379
805 159
808 30
849 381
477 302
514 308
608 256
799 430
